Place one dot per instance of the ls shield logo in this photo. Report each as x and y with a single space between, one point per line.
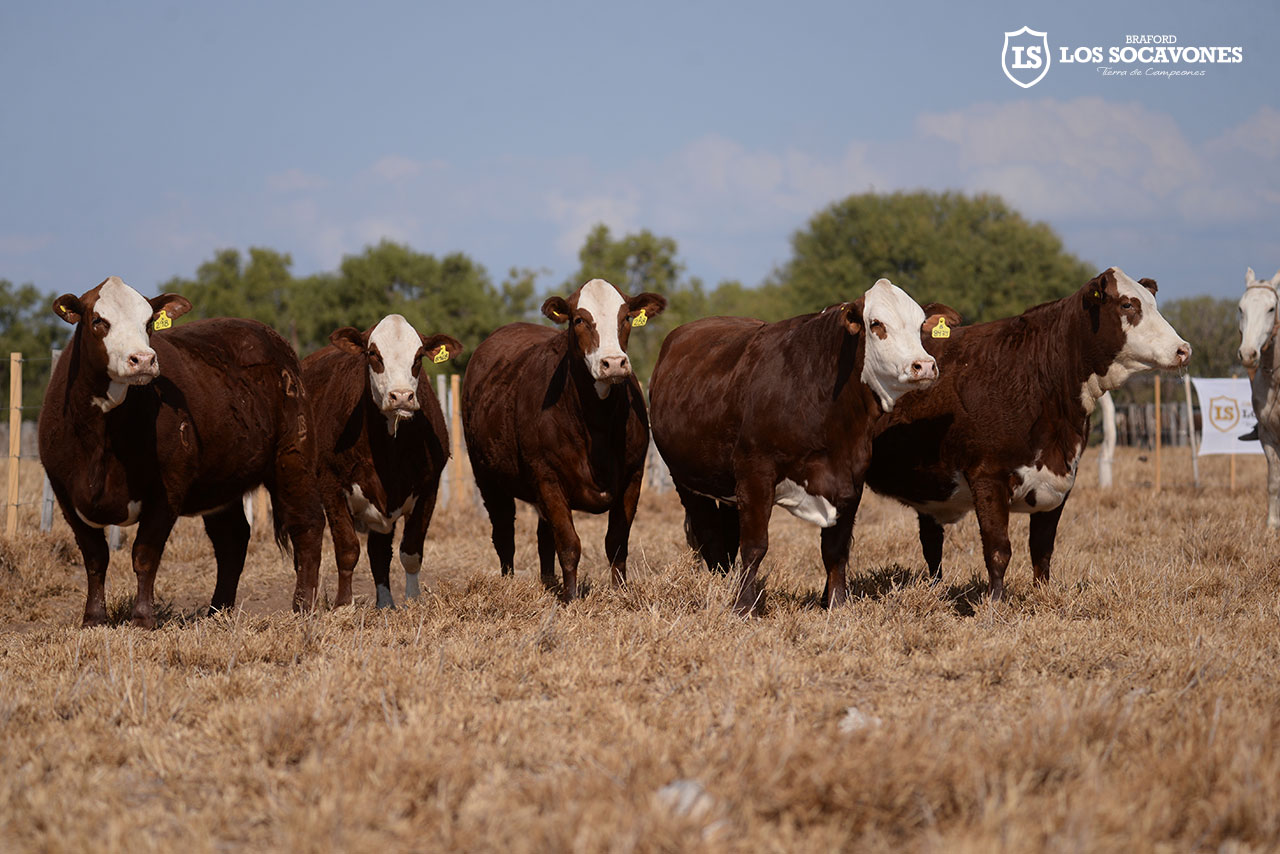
1025 57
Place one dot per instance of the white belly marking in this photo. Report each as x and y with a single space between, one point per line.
368 517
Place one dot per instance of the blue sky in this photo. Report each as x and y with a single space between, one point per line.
138 138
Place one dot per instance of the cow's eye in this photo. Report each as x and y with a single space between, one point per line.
1127 306
578 321
875 324
101 324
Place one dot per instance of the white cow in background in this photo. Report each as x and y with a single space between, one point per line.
1259 353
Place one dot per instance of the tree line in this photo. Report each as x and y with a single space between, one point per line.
973 252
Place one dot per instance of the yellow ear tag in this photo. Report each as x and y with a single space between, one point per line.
162 321
640 319
62 308
941 330
442 355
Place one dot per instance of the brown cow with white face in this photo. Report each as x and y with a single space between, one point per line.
382 445
749 414
1004 428
141 426
556 419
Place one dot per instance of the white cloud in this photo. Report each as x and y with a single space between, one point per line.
394 167
295 180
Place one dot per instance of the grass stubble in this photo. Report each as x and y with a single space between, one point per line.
1130 705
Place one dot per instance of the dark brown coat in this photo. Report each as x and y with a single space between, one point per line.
748 414
1004 428
538 431
363 466
226 413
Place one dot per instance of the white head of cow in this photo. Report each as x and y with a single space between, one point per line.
895 362
393 351
1147 340
1257 316
117 323
600 319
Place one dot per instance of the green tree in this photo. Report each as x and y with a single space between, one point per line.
634 263
1212 328
973 253
29 326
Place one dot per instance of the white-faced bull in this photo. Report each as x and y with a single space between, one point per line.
1259 320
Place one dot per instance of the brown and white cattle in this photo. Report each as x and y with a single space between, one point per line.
750 414
1258 352
1003 429
381 443
555 418
143 426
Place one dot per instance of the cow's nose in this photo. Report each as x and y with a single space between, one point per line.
142 361
924 369
401 398
615 366
1184 354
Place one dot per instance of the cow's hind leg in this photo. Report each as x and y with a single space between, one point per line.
931 533
1044 530
299 517
755 504
415 534
991 504
501 507
346 543
547 554
703 530
229 531
730 531
380 566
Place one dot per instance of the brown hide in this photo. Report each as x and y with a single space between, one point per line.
226 414
355 448
537 431
739 405
1009 395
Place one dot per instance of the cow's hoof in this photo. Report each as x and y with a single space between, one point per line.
384 597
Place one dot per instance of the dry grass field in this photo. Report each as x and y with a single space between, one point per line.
1131 705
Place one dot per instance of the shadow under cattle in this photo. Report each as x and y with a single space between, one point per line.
964 598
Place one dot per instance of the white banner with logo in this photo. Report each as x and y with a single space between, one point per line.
1226 414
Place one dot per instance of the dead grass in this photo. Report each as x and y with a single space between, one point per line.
1132 705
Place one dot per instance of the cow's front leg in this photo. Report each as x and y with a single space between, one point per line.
931 534
1044 531
836 542
93 549
755 504
148 548
346 543
621 515
554 508
1271 449
991 504
380 566
415 535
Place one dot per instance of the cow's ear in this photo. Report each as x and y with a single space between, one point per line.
166 308
348 339
1149 284
1249 277
852 315
939 320
69 308
557 308
1095 293
641 307
441 348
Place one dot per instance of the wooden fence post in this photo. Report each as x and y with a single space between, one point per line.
455 438
15 440
1191 432
1157 432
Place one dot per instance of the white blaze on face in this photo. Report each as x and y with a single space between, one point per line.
895 361
604 302
130 358
395 387
1257 317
